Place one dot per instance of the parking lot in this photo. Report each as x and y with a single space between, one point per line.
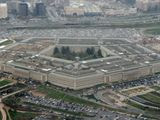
148 80
72 32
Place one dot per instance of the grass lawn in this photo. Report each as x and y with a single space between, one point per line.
6 42
91 97
57 94
7 113
135 105
149 112
156 88
0 116
152 98
156 93
4 82
21 116
153 31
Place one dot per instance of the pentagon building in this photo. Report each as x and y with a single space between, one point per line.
122 61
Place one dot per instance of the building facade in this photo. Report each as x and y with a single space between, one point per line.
3 10
148 5
23 9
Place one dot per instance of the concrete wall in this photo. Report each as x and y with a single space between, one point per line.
82 82
106 79
42 77
8 68
131 74
145 71
89 81
156 68
115 77
75 83
2 67
61 80
21 73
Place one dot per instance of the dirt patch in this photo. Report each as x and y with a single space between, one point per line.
36 93
137 91
155 46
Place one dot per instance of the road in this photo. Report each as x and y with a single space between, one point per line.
4 116
52 14
3 112
3 97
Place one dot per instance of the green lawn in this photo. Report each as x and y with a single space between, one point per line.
0 116
7 113
153 31
156 93
6 42
152 98
57 94
4 82
135 105
91 97
156 88
21 116
149 112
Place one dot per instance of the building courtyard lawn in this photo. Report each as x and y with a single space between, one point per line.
66 53
4 82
